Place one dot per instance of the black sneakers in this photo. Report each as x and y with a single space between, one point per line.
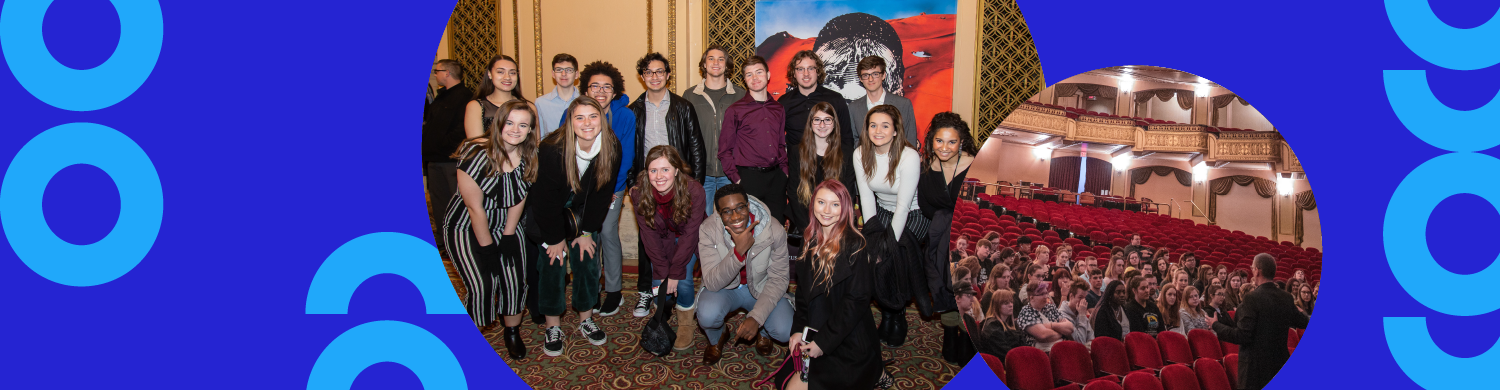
611 304
591 332
553 344
643 308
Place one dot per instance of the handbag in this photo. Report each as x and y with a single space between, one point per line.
782 376
657 336
571 223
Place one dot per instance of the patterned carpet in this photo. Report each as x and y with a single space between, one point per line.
621 364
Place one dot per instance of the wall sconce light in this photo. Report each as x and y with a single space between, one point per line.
1041 152
1200 172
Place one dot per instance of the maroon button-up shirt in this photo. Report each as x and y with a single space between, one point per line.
752 136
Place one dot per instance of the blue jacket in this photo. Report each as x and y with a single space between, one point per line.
622 122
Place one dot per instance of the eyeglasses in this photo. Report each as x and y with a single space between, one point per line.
654 73
737 210
598 87
806 69
435 71
822 121
564 70
871 76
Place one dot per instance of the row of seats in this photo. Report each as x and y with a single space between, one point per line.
1043 222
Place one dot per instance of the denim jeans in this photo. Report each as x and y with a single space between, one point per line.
685 293
710 185
714 305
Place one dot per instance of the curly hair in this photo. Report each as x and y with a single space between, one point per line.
682 203
791 69
604 68
645 62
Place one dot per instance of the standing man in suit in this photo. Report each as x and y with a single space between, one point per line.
872 76
1264 317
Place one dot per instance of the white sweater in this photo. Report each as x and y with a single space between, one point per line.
586 157
899 197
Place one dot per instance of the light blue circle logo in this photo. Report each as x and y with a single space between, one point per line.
1406 234
140 204
386 341
80 89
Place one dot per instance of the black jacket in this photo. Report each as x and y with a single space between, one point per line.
682 133
443 123
1263 318
840 310
799 106
544 202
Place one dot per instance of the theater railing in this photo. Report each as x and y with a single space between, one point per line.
1207 142
971 190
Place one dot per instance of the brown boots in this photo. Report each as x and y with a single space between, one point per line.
687 325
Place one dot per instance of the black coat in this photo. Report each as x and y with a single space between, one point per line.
544 202
841 314
797 211
1263 319
682 133
443 123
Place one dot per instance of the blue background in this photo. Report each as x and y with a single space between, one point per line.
281 130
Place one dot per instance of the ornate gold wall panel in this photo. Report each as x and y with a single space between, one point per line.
1172 141
1106 133
475 37
1289 161
1008 72
1038 119
536 23
1248 146
672 42
731 24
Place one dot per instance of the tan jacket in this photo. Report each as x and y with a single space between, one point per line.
766 264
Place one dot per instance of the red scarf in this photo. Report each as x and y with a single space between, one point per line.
664 209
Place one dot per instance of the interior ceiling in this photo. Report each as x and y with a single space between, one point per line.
1155 73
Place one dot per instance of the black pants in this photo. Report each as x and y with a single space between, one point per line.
768 186
442 183
643 266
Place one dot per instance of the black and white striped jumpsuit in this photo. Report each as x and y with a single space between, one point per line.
508 279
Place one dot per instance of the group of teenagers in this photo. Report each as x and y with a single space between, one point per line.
1028 295
837 195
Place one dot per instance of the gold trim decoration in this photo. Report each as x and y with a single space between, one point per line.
1008 70
731 24
672 42
649 45
475 37
536 24
515 27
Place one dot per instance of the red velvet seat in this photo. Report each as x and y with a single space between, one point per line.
995 365
1174 348
1211 375
1141 381
1178 377
1205 344
1142 350
1102 385
1071 363
1232 369
1028 368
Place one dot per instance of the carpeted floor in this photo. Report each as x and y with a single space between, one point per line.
621 364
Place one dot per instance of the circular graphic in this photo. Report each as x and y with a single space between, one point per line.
140 204
58 85
1406 245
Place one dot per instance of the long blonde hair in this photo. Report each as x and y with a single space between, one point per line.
566 137
898 143
490 142
833 159
682 202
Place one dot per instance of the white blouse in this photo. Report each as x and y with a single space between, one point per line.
899 197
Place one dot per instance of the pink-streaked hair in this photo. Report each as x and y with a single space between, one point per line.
827 248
